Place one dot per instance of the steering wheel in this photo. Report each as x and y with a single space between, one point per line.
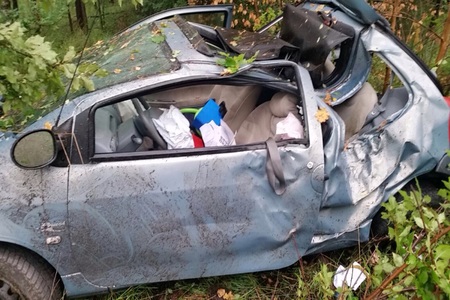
145 125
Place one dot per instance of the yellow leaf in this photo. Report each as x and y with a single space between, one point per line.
233 43
322 115
220 293
226 72
137 68
117 71
48 125
132 56
228 296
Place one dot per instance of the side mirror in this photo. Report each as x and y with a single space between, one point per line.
34 150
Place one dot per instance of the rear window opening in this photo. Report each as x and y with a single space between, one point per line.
198 116
392 95
379 100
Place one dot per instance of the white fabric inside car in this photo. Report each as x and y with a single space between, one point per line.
239 100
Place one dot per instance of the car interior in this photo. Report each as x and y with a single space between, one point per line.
252 114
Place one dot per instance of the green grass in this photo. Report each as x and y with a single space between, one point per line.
276 284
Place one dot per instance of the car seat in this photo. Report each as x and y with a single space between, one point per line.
107 121
239 100
355 110
262 121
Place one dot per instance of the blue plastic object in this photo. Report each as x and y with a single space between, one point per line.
210 111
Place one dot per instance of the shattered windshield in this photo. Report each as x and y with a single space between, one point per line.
131 55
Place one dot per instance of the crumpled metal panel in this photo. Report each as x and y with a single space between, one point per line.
377 164
194 216
164 219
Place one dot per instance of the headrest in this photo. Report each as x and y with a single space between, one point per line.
282 104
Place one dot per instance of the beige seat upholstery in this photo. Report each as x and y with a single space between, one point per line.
262 121
239 100
355 109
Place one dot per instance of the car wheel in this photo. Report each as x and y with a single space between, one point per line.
380 226
25 276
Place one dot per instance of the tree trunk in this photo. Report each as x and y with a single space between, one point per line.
69 16
395 11
445 37
100 13
14 4
80 10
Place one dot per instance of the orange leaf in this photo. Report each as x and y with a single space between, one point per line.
48 125
328 98
220 293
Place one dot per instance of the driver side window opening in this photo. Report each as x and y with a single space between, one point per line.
198 116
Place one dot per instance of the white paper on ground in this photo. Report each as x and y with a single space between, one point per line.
289 128
173 126
214 135
352 276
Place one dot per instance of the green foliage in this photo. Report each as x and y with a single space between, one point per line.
268 15
419 265
233 63
31 75
322 283
152 7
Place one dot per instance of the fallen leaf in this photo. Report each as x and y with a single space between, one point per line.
156 31
158 38
48 125
137 68
220 293
328 98
98 43
175 53
132 56
322 115
233 43
124 45
226 72
117 71
374 259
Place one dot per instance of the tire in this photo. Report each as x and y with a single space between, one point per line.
25 276
380 226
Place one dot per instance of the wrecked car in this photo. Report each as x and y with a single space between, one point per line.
107 197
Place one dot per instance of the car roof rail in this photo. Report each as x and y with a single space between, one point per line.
359 10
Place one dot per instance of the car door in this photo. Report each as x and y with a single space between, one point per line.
166 215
